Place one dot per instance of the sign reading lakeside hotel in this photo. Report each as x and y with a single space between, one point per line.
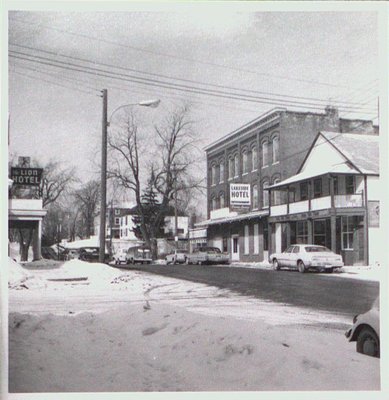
240 195
26 176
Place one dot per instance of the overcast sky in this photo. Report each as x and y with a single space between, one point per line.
304 57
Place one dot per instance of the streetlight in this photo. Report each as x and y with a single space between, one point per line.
105 123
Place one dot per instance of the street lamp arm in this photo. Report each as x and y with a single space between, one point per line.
147 103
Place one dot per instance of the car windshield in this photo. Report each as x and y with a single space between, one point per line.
316 249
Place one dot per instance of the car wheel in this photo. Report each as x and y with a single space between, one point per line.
276 266
368 342
301 266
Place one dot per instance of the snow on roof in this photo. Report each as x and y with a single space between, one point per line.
361 150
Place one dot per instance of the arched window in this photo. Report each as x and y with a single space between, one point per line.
265 194
213 174
276 151
221 200
265 153
221 171
254 159
230 168
236 165
245 161
255 197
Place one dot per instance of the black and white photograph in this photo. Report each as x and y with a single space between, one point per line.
196 199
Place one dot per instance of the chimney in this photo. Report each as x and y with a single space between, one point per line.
331 111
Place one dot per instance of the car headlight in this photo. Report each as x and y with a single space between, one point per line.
355 319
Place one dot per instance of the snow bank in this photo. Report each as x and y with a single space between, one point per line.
20 278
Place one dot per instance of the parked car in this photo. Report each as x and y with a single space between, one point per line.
71 254
138 254
177 257
307 256
49 254
366 331
91 254
120 257
207 255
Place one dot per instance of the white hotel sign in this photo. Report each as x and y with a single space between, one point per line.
240 195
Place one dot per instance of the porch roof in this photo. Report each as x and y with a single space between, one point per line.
240 217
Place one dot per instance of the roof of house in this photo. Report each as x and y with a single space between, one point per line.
361 150
361 153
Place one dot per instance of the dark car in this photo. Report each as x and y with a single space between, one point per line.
91 254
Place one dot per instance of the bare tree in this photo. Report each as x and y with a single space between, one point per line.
86 200
168 166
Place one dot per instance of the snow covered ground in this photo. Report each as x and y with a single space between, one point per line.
91 327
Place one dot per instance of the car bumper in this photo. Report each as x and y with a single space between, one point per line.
326 265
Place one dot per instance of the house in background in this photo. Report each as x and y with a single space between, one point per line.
333 200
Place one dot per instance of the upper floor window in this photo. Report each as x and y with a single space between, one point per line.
350 184
230 168
303 190
265 153
245 161
117 220
221 200
276 147
221 172
117 212
317 189
254 158
236 165
265 195
255 197
213 174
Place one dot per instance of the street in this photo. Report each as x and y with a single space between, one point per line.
314 290
146 329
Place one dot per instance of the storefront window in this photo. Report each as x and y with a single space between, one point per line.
265 236
302 232
225 245
347 233
319 232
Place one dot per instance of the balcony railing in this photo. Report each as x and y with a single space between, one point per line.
319 203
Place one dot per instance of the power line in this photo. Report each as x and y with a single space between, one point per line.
54 83
179 58
152 82
174 78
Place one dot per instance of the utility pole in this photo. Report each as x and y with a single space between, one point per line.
175 207
103 199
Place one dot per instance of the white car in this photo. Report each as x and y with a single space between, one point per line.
120 256
366 331
177 257
307 256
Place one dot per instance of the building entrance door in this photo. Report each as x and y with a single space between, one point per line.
235 248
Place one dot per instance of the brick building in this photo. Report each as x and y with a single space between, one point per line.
260 154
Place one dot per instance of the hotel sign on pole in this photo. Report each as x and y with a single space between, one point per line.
26 176
240 195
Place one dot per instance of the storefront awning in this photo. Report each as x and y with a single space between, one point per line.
236 218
